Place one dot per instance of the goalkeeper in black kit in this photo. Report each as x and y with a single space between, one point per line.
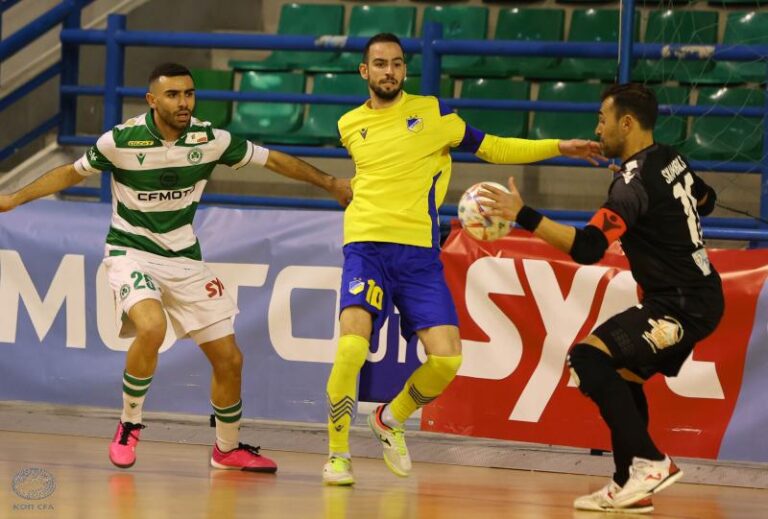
654 206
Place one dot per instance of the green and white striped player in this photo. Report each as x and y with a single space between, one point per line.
160 163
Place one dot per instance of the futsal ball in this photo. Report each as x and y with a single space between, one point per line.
474 217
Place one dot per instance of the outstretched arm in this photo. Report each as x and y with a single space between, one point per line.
54 181
511 207
297 169
501 150
585 246
582 149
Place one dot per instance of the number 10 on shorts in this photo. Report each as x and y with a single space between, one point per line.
375 295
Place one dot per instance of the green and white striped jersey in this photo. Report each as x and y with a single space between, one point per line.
157 185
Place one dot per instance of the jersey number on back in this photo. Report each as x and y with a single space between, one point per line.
683 193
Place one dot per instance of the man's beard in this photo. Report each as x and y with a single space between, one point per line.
169 118
612 152
386 95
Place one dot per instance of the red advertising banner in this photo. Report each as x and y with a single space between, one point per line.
522 304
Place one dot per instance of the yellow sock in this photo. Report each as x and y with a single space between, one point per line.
424 385
342 390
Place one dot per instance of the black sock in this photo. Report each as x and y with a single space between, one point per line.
618 406
622 456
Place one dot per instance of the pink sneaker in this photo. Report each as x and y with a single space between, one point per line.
122 450
245 457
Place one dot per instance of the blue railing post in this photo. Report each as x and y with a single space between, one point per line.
626 40
114 76
764 166
70 65
431 60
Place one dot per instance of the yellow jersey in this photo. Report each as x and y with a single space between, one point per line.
403 166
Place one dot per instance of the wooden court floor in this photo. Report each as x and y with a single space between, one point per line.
173 480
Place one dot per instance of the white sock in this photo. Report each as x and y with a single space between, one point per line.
228 426
388 419
134 392
132 407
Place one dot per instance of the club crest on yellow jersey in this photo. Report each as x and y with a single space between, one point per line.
414 123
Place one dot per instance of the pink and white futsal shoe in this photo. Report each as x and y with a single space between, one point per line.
244 457
122 450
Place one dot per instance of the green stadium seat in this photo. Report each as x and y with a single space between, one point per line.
525 25
671 129
256 119
584 1
301 20
320 125
669 26
497 122
742 28
738 3
593 26
217 112
663 3
556 125
412 85
368 20
736 138
459 22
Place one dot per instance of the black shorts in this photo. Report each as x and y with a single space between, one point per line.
659 334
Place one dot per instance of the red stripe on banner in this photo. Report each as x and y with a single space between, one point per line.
521 304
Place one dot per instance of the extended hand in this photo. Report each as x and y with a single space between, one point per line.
499 203
342 191
582 149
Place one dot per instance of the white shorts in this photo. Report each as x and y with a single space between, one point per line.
191 294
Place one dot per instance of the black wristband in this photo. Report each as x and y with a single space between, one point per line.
528 218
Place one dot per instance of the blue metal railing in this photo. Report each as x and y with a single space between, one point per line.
431 46
66 13
39 26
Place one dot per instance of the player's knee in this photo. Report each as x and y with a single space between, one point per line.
445 367
229 362
350 357
590 368
151 332
352 352
356 321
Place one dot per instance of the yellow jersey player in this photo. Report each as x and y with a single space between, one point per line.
400 144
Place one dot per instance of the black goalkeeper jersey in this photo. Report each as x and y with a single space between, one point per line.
655 192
